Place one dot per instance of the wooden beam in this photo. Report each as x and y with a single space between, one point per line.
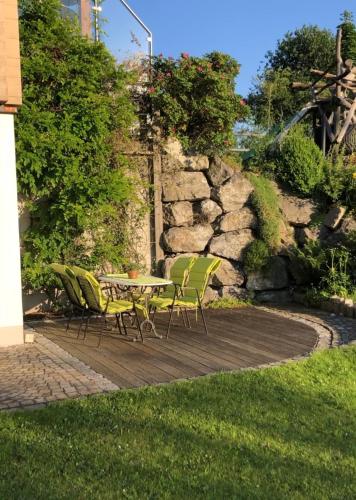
347 122
326 124
323 74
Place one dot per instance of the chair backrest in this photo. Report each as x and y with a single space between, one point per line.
201 271
90 288
179 273
70 284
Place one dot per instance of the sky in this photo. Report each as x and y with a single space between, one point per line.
244 29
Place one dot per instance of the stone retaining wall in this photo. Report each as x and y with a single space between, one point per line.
207 211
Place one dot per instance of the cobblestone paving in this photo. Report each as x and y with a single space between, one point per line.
38 373
341 329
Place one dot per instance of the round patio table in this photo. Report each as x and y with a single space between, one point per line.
140 284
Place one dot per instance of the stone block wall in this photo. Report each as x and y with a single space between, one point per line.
207 211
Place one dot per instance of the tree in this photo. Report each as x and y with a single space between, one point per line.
197 101
348 43
271 99
75 100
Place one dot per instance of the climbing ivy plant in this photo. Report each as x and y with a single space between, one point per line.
75 106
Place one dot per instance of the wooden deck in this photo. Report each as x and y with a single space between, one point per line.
238 338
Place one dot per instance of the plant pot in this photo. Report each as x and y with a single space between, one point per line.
133 274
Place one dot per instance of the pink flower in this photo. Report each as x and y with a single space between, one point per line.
170 58
185 55
200 69
242 102
169 73
160 55
151 90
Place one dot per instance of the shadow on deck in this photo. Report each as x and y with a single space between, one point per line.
239 338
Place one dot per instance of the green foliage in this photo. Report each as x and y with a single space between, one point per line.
277 433
348 41
271 99
260 158
329 270
76 102
300 163
339 183
196 100
256 256
266 204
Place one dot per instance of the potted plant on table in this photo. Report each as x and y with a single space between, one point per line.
132 269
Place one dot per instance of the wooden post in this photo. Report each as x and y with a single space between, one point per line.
85 14
338 88
157 212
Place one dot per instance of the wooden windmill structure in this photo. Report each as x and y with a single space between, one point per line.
334 115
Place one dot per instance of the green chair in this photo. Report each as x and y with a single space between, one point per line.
98 303
73 291
178 273
189 296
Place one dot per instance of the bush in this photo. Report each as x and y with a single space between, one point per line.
196 100
256 256
266 204
300 162
75 101
340 178
329 270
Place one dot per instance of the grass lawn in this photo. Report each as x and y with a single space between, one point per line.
286 432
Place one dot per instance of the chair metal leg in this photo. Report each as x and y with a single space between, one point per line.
101 330
117 316
139 326
203 317
187 317
122 316
170 321
81 323
69 319
86 326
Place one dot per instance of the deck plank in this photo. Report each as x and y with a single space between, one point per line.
238 338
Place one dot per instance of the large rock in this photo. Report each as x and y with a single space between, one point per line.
239 219
171 165
231 245
196 162
228 274
297 211
187 239
178 214
348 225
210 295
235 292
234 193
185 186
174 149
218 171
334 217
305 234
207 211
273 277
